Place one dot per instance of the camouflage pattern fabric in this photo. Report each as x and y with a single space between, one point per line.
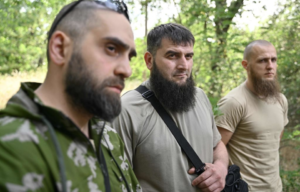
28 159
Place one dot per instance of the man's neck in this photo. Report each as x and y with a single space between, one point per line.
62 103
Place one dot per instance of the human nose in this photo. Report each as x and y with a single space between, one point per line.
271 64
123 69
182 63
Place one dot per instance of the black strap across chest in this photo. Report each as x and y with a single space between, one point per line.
166 117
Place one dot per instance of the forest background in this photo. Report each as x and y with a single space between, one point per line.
222 29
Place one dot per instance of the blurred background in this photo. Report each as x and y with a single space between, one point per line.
222 29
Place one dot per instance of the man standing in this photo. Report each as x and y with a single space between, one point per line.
156 157
49 136
253 117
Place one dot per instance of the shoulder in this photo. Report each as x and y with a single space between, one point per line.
283 101
200 94
202 99
230 101
200 91
19 140
131 96
236 97
9 125
234 103
21 156
133 103
20 132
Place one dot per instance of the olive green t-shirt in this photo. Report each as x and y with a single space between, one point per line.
256 126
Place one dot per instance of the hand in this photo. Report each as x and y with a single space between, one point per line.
212 179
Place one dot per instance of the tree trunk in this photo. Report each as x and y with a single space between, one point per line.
223 20
146 18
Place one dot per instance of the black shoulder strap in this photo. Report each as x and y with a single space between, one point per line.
185 146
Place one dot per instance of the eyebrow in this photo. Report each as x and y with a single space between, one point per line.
265 57
176 52
121 44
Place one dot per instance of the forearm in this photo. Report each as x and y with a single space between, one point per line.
220 154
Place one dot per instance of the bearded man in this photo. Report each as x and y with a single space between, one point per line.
156 157
50 135
253 118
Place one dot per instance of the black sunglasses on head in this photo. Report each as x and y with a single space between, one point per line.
115 5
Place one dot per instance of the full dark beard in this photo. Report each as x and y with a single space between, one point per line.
86 94
267 89
174 97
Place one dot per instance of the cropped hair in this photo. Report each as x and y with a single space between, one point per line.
176 33
248 49
76 23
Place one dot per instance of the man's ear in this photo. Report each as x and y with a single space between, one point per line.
60 47
149 59
245 64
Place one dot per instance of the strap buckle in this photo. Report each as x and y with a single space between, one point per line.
147 94
200 170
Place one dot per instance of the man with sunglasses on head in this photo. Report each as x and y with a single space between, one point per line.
50 135
157 159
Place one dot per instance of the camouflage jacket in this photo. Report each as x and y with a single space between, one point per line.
43 150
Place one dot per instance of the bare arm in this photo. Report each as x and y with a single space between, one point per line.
226 135
221 155
281 135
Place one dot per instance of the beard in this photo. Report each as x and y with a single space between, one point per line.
174 97
267 89
85 93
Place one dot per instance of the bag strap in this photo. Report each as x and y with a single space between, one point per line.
184 144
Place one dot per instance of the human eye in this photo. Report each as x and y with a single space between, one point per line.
263 60
111 49
189 56
274 60
171 55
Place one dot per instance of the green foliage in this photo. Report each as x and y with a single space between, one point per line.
283 31
218 49
138 66
290 179
23 33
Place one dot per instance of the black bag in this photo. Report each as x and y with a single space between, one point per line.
234 183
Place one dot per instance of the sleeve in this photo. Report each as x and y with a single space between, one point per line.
20 162
231 112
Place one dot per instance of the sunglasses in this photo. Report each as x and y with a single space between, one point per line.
115 5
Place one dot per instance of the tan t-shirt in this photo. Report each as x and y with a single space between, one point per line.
154 153
254 145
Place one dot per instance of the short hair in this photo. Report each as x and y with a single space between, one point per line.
76 23
178 34
248 49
